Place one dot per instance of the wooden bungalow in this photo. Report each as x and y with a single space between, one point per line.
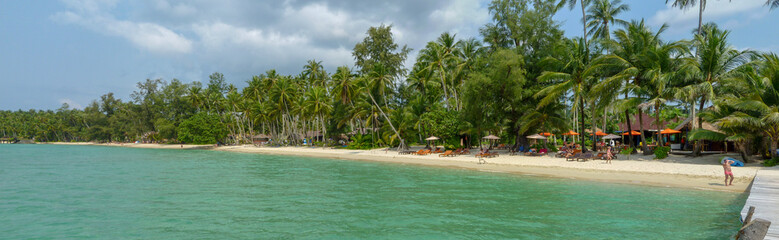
686 126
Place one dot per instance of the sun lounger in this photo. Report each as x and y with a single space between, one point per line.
448 153
586 156
574 157
438 150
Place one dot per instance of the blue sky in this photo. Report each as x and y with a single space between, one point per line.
73 51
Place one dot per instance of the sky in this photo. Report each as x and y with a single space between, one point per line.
72 51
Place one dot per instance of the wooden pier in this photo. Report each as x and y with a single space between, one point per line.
764 196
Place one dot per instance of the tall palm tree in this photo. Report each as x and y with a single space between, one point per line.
343 84
378 78
601 14
574 73
317 103
583 3
314 73
631 58
715 61
772 4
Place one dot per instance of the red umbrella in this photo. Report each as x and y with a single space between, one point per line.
634 133
571 133
669 131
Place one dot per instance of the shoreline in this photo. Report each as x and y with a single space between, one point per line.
700 173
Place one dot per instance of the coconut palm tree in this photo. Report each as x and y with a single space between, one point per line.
314 73
584 4
603 13
317 103
344 84
631 58
754 109
715 61
772 4
573 73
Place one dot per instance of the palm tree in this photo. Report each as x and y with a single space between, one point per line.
438 56
343 85
314 73
317 103
715 61
601 14
772 4
379 78
583 3
632 58
755 109
574 74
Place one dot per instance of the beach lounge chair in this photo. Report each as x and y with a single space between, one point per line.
418 152
586 156
574 157
485 154
426 152
438 150
448 153
600 155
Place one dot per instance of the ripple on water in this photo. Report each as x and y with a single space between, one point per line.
49 191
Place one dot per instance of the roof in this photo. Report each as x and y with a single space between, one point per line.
649 123
705 125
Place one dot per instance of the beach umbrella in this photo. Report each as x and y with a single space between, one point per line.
432 138
492 138
536 136
545 134
611 136
634 133
669 131
571 133
599 133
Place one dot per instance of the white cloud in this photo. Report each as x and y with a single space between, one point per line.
685 20
149 36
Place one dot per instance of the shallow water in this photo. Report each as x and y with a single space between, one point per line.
94 192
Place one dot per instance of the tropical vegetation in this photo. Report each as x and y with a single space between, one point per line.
520 77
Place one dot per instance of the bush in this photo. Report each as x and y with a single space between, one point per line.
771 162
627 151
662 152
202 128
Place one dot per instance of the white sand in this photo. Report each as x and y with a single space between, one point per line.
674 171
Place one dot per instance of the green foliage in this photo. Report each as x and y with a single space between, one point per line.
771 162
202 128
627 151
662 152
360 141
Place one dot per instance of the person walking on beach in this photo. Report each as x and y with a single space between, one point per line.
728 171
609 155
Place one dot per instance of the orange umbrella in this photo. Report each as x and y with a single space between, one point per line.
546 134
599 133
669 131
634 133
571 133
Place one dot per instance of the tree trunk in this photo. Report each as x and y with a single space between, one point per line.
698 147
630 128
700 15
641 130
402 143
594 124
657 123
584 23
581 111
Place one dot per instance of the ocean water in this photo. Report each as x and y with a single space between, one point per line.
93 192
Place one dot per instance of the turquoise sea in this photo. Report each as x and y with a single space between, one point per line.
94 192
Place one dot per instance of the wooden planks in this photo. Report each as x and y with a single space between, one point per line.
764 196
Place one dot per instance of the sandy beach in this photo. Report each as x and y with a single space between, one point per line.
675 171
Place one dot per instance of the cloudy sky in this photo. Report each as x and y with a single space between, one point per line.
73 51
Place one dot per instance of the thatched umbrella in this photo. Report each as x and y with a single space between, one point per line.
492 138
432 138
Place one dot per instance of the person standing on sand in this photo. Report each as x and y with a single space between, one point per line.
728 171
